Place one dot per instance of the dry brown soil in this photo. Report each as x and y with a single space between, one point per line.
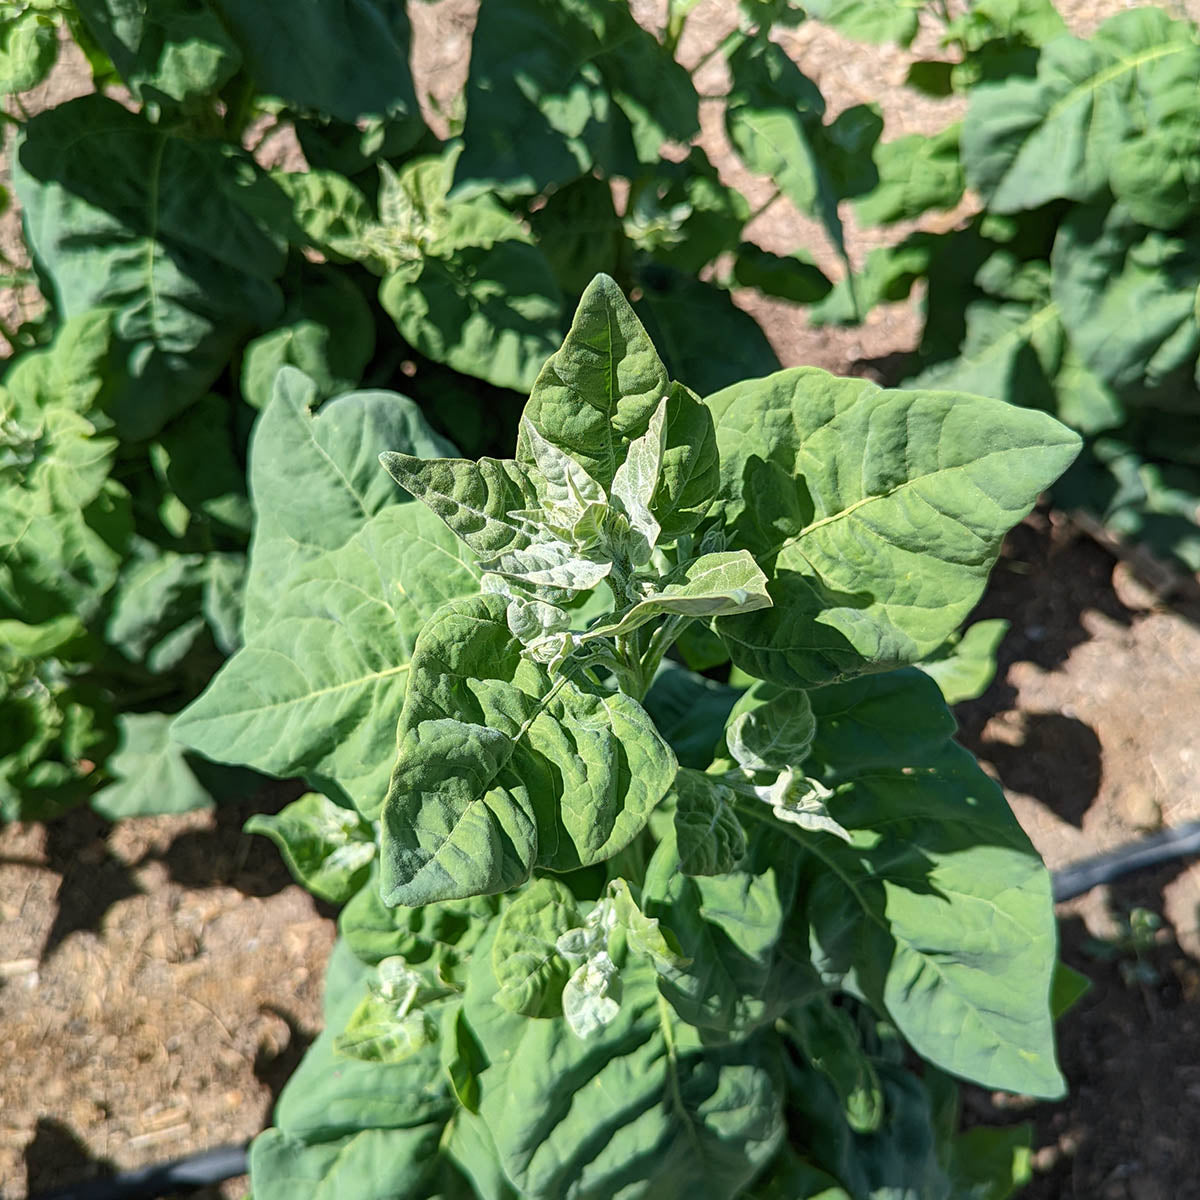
159 980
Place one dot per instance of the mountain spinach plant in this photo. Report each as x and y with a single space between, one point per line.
612 927
1074 285
253 186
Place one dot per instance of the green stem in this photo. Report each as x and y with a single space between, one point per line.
762 208
676 20
239 106
725 46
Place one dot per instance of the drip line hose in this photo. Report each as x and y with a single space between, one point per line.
215 1166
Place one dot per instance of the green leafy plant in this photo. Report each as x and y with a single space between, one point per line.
1074 285
611 927
219 208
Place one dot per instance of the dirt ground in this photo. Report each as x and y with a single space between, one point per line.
160 979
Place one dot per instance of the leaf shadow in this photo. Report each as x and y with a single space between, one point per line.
57 1158
274 1069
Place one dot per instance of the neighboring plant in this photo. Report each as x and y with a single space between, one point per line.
611 927
1075 288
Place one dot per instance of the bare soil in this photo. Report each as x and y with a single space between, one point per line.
159 980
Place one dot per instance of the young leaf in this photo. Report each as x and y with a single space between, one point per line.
589 1000
771 728
531 772
525 960
328 848
473 498
728 581
840 490
390 1025
636 479
600 389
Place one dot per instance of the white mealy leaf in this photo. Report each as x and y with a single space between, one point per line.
586 1000
802 801
636 478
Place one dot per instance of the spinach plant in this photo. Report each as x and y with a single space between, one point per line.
611 926
1074 286
183 259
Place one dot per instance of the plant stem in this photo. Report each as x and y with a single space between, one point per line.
725 46
676 20
762 208
239 105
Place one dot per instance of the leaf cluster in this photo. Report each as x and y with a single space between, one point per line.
610 927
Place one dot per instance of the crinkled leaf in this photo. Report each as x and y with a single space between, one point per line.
529 970
502 769
472 498
120 213
770 728
327 848
709 836
691 1119
1106 266
877 515
589 1000
690 473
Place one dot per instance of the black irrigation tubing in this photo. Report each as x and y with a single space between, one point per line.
215 1166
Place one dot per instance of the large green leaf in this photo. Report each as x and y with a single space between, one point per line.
349 59
1105 267
1026 141
876 515
343 576
336 453
120 213
502 769
916 173
317 687
178 52
689 1121
940 906
557 89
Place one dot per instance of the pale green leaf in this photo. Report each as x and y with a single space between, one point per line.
869 20
533 772
28 48
916 174
727 581
877 515
327 848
